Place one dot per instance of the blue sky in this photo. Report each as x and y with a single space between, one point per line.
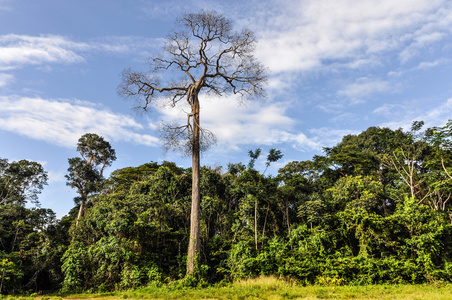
336 67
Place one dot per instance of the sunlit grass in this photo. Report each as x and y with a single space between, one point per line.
270 283
270 288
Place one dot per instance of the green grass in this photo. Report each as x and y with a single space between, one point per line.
272 289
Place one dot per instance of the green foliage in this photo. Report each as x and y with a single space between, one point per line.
85 173
21 181
373 209
10 272
254 155
75 267
31 240
132 237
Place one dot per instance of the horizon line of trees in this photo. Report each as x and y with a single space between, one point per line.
375 208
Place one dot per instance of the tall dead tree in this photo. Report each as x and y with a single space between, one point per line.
204 56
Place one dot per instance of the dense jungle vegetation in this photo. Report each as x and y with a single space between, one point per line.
373 209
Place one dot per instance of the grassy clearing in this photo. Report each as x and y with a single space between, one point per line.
272 289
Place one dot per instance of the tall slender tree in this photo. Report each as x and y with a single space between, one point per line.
273 155
86 172
203 56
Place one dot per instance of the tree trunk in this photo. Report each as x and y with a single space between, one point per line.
255 222
1 284
82 208
194 243
265 220
288 220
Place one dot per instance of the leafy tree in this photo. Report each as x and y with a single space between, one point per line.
440 138
21 181
206 56
256 184
31 240
370 153
343 217
86 172
254 155
296 184
132 235
122 179
8 269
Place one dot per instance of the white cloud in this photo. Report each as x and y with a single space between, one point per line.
62 122
343 117
234 125
303 35
327 136
56 176
171 9
17 50
390 111
364 87
143 46
5 79
418 44
331 107
436 27
431 64
403 115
